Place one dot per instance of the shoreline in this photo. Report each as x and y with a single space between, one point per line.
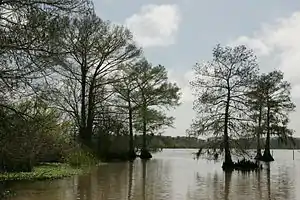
45 171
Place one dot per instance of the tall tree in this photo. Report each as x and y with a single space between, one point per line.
278 104
154 92
221 87
257 104
96 49
125 90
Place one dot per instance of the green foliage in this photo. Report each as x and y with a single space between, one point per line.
154 93
142 95
157 120
31 133
147 90
154 88
80 157
65 43
42 172
108 121
83 85
271 103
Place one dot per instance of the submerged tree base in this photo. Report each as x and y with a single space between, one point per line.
243 165
118 156
267 157
145 154
258 156
132 156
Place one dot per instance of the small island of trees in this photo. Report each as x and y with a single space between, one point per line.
234 101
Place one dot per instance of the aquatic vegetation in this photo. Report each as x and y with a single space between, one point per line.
43 172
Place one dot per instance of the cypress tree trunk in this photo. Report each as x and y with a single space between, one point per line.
132 154
258 148
228 160
267 157
82 127
144 132
145 154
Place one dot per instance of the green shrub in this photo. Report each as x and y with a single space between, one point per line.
80 157
31 133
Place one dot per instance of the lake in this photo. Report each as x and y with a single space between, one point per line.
172 174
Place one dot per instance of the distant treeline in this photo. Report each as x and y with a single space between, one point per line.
275 143
158 142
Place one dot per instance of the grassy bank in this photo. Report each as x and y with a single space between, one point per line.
43 172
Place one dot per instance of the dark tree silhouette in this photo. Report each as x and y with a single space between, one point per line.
278 104
221 88
95 49
154 92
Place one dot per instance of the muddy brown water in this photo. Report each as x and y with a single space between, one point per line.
172 174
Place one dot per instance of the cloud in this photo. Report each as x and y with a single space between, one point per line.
155 25
253 43
183 81
277 47
184 113
279 41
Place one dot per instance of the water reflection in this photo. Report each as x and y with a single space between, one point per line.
144 168
258 175
227 184
130 180
172 175
84 188
268 169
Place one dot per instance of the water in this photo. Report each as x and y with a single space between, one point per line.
171 175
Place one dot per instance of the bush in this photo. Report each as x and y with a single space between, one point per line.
17 146
30 133
55 146
80 157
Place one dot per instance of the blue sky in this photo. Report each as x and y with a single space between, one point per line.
179 33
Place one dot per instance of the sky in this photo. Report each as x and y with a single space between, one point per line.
180 33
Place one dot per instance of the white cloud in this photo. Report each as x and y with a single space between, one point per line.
155 25
253 43
183 81
279 41
278 46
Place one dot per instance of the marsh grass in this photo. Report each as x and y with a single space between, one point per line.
81 158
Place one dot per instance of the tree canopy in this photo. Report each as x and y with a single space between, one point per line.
75 69
221 87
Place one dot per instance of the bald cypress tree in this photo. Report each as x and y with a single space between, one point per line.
221 87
